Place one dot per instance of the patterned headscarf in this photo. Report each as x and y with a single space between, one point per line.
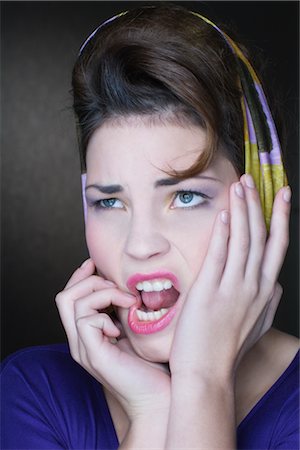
263 156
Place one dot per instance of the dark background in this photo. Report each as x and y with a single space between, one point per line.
42 220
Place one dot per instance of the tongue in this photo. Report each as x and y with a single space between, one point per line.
162 299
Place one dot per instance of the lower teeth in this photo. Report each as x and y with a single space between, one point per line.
152 315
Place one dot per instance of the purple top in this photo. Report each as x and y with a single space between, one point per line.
50 402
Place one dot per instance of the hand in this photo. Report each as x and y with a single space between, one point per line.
234 299
140 387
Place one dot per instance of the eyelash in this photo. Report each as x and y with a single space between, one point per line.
98 204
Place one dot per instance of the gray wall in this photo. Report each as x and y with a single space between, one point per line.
42 223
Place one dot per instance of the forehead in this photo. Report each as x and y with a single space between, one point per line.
140 146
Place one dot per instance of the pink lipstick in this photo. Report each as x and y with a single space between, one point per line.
157 294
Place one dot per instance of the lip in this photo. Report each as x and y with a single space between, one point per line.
149 327
152 326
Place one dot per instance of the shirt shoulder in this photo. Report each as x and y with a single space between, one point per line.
29 354
50 401
274 420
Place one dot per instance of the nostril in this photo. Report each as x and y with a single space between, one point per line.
146 244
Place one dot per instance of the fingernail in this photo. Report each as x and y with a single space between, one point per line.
85 263
225 217
249 181
287 194
239 190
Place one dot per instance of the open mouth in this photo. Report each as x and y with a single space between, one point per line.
156 305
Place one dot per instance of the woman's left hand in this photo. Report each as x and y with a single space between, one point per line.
235 296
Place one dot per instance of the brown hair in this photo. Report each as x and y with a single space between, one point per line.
161 62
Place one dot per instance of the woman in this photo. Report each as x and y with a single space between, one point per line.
170 318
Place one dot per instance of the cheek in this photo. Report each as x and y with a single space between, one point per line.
192 239
196 244
100 242
201 231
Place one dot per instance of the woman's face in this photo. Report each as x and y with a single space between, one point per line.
146 230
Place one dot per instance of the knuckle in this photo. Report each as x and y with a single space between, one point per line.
81 322
219 254
79 304
276 292
225 290
267 325
75 356
253 289
244 244
96 280
261 234
219 257
59 298
279 290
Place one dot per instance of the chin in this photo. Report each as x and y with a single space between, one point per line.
155 348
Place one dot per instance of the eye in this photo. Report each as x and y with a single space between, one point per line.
189 199
108 203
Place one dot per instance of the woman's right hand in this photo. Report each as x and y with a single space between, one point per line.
142 388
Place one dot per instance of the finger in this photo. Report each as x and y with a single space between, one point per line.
239 241
94 334
120 327
257 229
99 321
86 286
278 239
213 266
86 269
66 312
66 298
79 294
100 300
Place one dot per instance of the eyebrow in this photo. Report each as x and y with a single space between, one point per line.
109 189
171 181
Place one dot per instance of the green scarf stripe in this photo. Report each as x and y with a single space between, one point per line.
259 119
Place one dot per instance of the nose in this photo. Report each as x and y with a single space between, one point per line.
145 239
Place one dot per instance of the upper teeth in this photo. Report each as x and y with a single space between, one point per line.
154 285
